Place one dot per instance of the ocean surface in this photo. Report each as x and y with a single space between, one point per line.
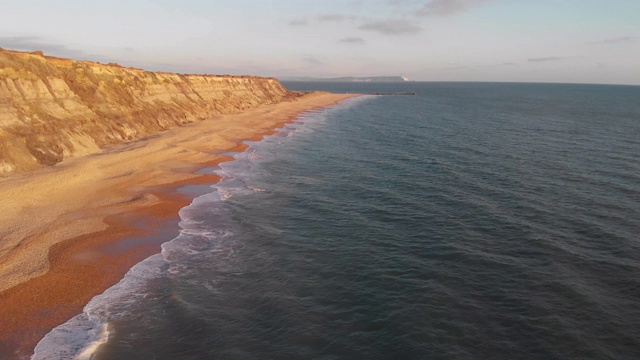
469 221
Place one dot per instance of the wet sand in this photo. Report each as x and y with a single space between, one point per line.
71 231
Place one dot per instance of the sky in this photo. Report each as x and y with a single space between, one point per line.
570 41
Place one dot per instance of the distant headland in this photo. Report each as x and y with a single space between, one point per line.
368 79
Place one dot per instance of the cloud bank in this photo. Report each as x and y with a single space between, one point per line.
299 22
352 40
448 7
544 59
391 27
617 40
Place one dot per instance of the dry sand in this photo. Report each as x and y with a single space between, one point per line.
61 228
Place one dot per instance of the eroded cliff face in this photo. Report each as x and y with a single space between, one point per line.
52 108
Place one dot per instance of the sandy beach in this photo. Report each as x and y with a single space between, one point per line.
63 228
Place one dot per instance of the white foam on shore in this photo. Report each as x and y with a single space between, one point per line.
101 337
77 339
83 334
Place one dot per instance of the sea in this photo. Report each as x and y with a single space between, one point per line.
465 221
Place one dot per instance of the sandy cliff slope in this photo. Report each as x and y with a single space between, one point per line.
52 108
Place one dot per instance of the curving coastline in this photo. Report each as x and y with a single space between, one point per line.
52 109
116 167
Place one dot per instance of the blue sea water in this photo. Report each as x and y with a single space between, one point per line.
470 221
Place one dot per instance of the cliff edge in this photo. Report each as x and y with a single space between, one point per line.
52 108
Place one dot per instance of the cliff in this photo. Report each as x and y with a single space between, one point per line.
52 108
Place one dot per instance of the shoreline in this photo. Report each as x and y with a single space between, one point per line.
81 225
